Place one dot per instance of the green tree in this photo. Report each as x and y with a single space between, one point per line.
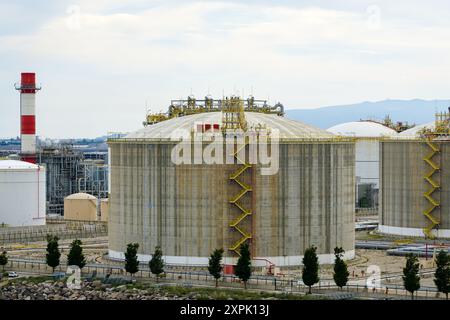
341 273
214 267
53 253
156 264
3 260
131 260
310 271
243 269
411 278
75 256
442 274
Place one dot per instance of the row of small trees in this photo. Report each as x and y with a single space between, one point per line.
411 276
156 264
243 270
310 271
53 255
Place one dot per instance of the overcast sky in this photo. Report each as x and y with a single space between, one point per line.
100 62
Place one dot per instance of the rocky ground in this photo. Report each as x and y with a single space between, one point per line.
49 290
41 288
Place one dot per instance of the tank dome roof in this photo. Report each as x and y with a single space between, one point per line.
16 164
414 131
80 196
288 129
362 129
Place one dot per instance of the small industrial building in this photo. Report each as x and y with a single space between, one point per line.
81 207
22 193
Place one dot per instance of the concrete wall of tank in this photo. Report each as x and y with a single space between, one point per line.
185 209
402 187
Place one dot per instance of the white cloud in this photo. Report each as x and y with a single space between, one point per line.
304 56
170 37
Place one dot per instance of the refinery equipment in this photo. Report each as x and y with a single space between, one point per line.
415 175
69 172
61 166
22 193
92 177
398 126
192 208
179 108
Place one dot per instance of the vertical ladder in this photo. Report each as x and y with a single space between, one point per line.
433 221
234 121
245 189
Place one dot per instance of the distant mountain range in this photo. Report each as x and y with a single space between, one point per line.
412 111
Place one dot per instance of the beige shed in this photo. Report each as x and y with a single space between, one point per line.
80 206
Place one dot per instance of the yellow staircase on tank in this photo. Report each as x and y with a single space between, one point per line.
433 221
235 200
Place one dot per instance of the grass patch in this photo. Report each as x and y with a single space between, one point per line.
199 293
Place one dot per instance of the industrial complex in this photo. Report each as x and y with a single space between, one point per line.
220 156
223 173
63 169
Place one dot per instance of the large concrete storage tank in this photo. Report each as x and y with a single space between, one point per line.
404 186
415 181
367 157
22 193
188 210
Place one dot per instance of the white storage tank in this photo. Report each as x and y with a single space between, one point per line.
367 157
414 132
22 193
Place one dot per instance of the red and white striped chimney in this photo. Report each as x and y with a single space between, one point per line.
28 90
